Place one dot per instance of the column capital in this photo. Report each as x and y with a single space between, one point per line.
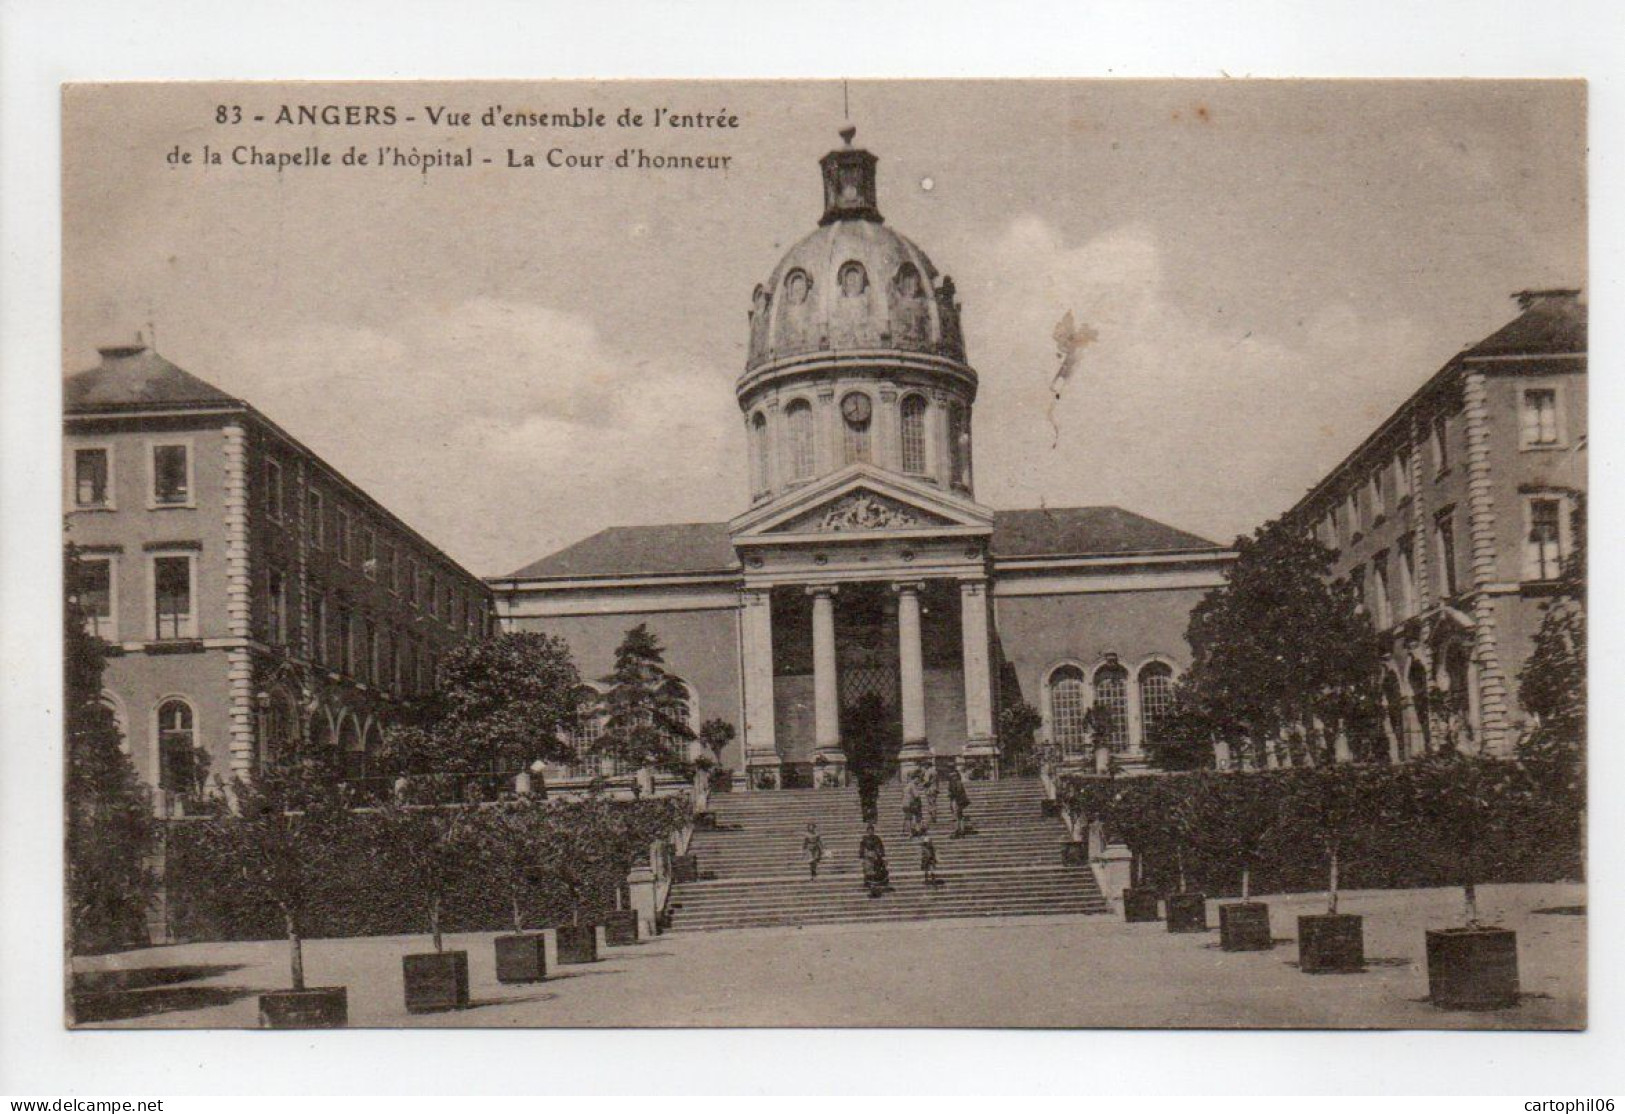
816 590
756 595
972 585
908 587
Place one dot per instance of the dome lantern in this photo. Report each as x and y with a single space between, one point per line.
849 183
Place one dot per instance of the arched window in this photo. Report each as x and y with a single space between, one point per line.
177 739
1456 707
856 414
1111 703
588 727
1067 710
352 756
1393 710
277 727
1421 714
913 414
958 444
803 453
1156 695
758 454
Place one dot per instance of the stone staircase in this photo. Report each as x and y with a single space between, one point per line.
753 873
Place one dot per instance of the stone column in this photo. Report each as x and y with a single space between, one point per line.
911 666
884 428
828 426
826 690
756 606
976 658
936 427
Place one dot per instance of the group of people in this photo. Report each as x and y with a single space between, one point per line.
920 794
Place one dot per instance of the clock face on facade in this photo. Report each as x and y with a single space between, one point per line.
855 408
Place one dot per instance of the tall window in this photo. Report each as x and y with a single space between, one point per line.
856 414
1402 476
172 598
318 625
369 651
1407 576
803 452
1378 504
913 413
1384 613
1539 417
177 737
959 444
1067 709
341 535
273 490
1441 444
1543 550
276 607
1111 703
90 478
171 475
96 596
369 551
1156 695
758 454
314 528
386 566
1444 531
343 634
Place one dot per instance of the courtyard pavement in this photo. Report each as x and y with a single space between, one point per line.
1060 971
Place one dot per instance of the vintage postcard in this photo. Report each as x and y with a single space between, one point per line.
815 553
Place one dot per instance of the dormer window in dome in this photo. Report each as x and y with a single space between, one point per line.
854 279
797 286
909 286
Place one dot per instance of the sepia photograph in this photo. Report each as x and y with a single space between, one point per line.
907 554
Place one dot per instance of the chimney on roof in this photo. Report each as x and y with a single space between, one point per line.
1529 299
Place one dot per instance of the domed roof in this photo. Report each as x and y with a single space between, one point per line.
853 284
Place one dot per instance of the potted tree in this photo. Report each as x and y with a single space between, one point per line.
291 821
1133 816
1327 807
575 853
1180 797
508 839
714 737
1241 812
437 847
1463 803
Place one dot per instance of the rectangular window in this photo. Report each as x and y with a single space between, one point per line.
369 651
369 552
1379 506
1402 476
276 608
386 567
1407 577
1543 549
1336 519
171 476
273 491
411 567
343 632
1352 508
1441 445
91 478
318 626
314 528
341 534
172 598
1445 534
432 589
1380 600
1539 423
96 596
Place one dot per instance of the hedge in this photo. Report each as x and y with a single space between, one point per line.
366 886
1424 824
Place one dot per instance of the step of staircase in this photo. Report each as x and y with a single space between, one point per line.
753 873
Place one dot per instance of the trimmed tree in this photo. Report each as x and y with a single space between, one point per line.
437 848
714 737
648 709
1237 817
110 828
499 705
1280 652
1330 807
1463 803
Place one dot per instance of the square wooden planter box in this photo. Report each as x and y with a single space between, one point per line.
1473 968
1141 906
522 957
435 981
1331 943
1187 913
577 943
1244 926
621 928
316 1007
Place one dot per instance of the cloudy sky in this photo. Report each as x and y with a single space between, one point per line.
513 359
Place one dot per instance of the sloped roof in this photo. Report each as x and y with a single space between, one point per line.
1552 322
136 377
704 547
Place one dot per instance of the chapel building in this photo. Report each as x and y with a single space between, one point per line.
862 572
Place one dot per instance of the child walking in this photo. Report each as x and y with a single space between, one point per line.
812 846
928 861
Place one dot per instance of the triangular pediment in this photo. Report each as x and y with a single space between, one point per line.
861 500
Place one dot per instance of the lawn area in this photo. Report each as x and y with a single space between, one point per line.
1063 971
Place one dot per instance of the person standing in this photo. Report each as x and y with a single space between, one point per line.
959 800
872 850
928 861
929 783
812 846
913 805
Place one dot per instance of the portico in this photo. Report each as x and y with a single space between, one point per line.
864 586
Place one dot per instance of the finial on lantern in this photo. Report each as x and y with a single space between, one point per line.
847 133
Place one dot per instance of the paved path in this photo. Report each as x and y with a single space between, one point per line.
1025 971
